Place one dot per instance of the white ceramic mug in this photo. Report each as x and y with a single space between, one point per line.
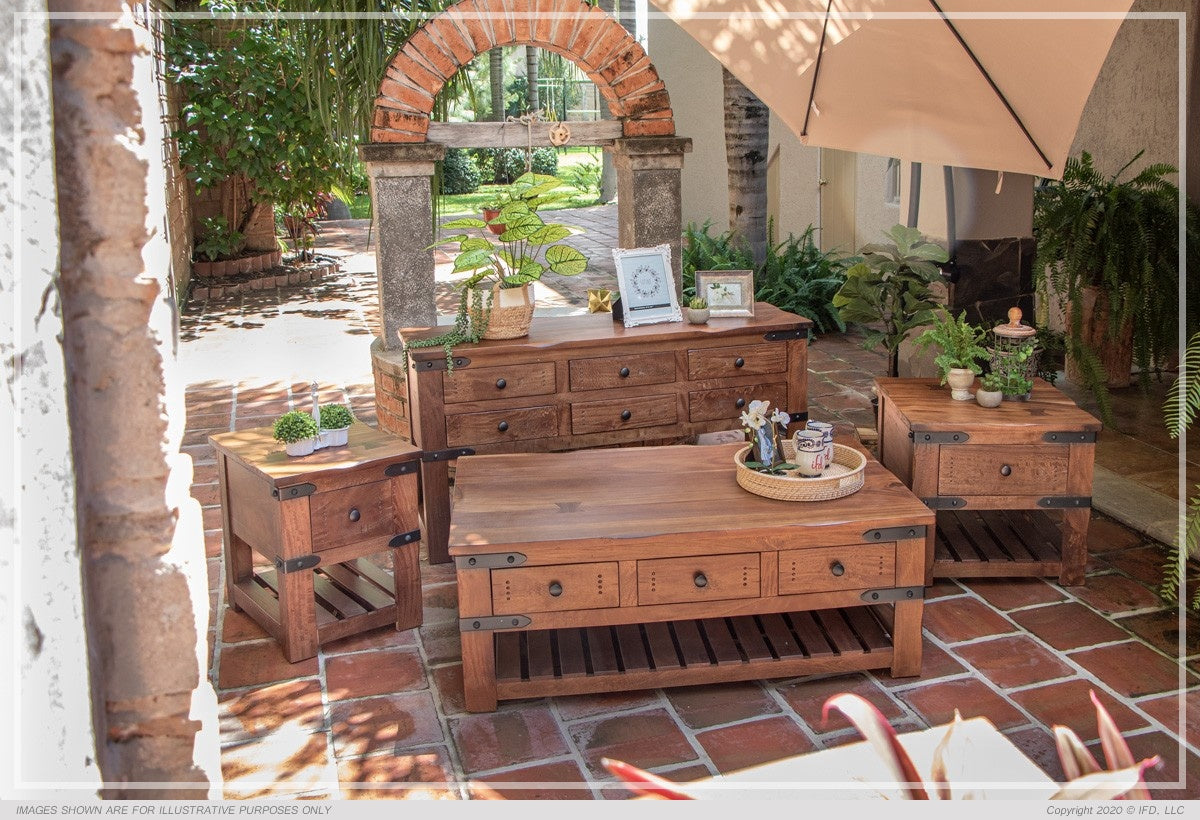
826 430
810 453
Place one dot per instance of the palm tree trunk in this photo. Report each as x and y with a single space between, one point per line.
496 72
746 120
531 74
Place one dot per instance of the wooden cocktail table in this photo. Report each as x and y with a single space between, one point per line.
606 570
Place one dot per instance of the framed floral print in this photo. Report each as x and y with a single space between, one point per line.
729 292
647 285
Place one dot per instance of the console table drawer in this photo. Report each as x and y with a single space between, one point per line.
740 360
1003 470
622 371
828 569
506 382
699 578
523 590
729 402
351 514
491 426
621 414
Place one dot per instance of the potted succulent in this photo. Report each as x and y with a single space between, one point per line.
522 253
991 391
697 310
962 349
335 424
297 431
888 291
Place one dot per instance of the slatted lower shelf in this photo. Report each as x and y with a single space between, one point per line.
534 663
349 597
984 543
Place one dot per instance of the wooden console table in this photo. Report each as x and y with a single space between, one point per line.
1030 459
633 568
317 520
587 381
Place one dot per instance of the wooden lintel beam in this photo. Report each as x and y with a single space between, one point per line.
516 135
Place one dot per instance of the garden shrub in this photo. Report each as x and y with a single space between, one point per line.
509 163
459 174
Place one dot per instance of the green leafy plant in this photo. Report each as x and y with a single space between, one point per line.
960 341
702 251
294 426
459 174
335 416
584 176
1010 370
697 303
1120 237
1179 411
888 291
219 241
992 383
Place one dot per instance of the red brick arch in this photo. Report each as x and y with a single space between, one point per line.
584 34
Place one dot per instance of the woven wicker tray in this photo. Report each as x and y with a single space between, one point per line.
841 478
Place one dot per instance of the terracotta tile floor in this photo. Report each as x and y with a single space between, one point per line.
380 715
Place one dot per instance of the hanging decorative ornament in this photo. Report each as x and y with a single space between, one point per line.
560 134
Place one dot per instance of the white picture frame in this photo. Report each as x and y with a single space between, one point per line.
729 292
647 286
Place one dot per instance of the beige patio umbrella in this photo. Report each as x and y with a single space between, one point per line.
992 84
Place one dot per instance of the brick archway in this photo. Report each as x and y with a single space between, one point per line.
583 34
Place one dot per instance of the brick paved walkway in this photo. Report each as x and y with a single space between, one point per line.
381 714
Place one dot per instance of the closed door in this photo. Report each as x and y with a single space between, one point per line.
838 183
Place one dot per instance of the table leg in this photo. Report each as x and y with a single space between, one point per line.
1074 546
297 603
406 577
239 563
906 639
479 671
435 509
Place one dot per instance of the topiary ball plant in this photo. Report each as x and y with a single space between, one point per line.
294 426
335 416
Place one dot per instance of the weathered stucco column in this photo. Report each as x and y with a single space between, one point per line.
649 200
140 536
401 189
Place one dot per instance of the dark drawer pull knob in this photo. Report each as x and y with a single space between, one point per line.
740 403
626 415
739 361
624 372
502 426
501 384
837 569
354 514
555 589
1006 470
700 580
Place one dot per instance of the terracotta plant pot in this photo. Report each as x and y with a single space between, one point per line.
1115 351
960 379
488 215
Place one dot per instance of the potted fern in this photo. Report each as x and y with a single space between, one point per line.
961 343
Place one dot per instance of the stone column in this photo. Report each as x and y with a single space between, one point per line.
649 201
402 194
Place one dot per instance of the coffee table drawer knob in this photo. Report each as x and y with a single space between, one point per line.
355 514
837 568
624 371
1006 470
626 415
739 361
501 384
700 580
740 403
502 426
555 589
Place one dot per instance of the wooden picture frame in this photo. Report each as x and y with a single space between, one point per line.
647 285
729 292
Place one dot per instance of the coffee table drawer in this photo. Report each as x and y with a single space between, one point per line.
622 371
351 514
1002 470
729 402
828 569
620 414
522 590
493 426
739 360
699 578
510 381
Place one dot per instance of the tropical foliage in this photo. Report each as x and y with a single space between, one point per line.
888 292
1179 411
960 342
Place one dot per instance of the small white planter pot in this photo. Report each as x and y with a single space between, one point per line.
960 379
303 447
988 398
335 437
697 316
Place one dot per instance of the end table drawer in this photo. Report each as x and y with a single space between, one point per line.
1002 470
620 414
828 569
740 360
523 590
351 514
507 382
729 402
699 578
493 426
622 371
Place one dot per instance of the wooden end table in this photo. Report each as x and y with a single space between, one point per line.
634 568
316 519
997 477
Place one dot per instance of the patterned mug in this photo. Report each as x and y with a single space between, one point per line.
826 430
810 453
